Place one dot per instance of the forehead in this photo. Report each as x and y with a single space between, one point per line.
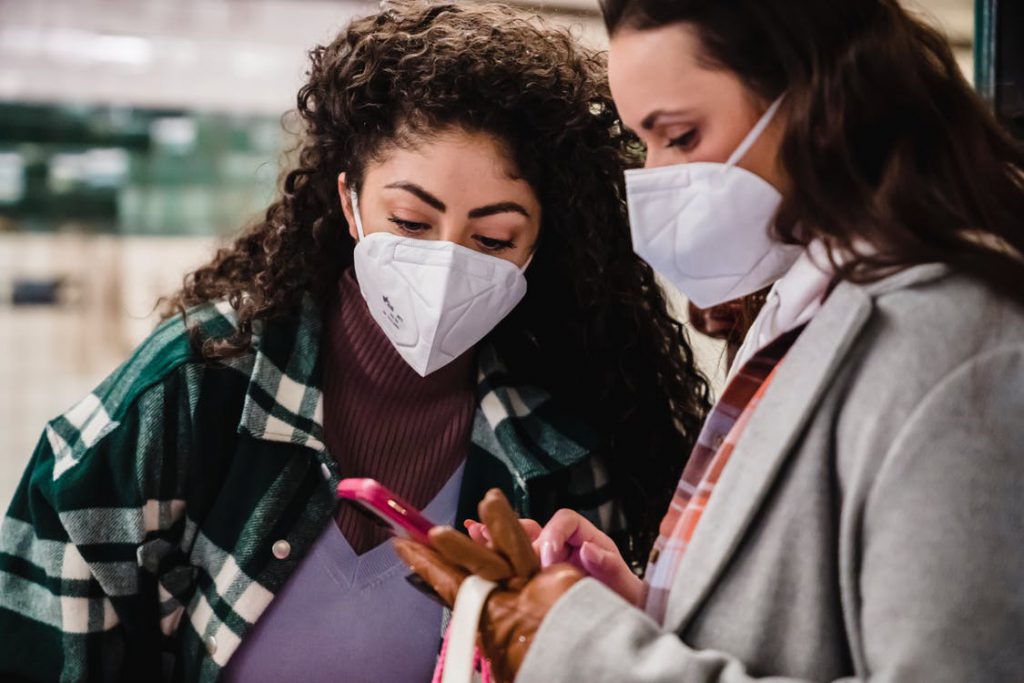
464 169
449 152
662 69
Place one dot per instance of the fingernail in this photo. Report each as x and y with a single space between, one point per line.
590 554
547 554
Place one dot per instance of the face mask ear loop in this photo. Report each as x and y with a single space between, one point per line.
754 134
528 262
355 214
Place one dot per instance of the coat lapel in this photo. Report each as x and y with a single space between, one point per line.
764 446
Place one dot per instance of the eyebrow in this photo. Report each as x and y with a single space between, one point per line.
420 193
500 207
480 212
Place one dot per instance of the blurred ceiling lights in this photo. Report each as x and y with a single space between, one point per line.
227 55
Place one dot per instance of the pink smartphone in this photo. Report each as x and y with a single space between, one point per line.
404 519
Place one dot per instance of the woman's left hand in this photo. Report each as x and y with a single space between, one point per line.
514 611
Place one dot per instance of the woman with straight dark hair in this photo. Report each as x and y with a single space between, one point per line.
853 508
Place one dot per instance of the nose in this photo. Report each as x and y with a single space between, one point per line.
656 158
455 231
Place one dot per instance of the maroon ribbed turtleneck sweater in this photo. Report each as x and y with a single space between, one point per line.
384 421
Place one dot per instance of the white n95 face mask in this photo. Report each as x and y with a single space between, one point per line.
434 300
705 226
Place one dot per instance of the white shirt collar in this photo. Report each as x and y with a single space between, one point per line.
792 301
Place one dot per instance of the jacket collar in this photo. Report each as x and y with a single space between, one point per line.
768 440
519 425
284 402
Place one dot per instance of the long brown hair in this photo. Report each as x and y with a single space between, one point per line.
892 158
594 328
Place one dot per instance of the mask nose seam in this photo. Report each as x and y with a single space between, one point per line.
490 293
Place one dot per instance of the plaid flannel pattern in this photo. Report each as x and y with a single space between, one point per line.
160 515
718 438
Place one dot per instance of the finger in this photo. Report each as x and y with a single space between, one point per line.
507 533
610 569
555 535
474 558
479 533
553 554
598 562
570 528
531 528
442 577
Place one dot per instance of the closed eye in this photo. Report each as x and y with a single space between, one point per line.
491 244
408 226
685 141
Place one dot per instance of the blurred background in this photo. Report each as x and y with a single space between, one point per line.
137 135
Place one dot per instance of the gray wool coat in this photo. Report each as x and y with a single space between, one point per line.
869 524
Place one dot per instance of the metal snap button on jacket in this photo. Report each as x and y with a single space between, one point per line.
281 549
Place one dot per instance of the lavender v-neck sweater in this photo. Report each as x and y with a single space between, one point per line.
347 613
347 618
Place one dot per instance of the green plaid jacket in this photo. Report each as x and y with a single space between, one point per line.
160 515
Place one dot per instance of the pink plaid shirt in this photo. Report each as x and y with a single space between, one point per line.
717 440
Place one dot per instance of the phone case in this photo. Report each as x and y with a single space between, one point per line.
404 519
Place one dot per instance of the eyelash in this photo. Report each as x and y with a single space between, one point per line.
408 226
491 244
487 243
685 140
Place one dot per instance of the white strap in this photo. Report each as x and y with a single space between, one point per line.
469 605
754 134
355 214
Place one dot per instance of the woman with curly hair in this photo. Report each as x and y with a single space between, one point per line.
444 298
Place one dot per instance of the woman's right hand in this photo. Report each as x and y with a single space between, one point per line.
570 537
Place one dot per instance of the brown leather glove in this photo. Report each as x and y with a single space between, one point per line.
514 611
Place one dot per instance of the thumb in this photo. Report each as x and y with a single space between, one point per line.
441 576
610 569
597 561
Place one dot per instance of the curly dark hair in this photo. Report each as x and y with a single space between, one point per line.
594 328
